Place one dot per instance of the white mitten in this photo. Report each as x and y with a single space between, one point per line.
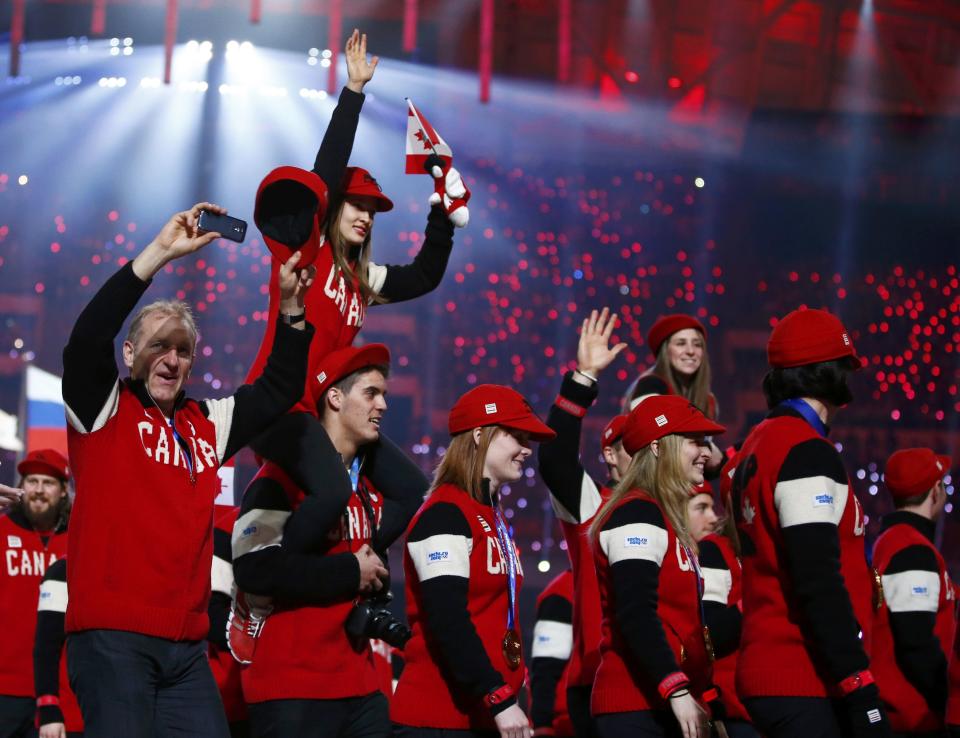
451 191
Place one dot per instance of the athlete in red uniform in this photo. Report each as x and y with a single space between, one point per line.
349 282
807 602
550 658
33 535
576 496
655 669
915 622
314 671
464 664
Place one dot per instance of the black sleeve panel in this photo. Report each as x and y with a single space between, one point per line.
812 556
299 444
557 608
916 646
813 458
402 484
724 621
337 144
275 391
447 626
309 579
558 460
47 649
634 591
89 365
424 274
545 675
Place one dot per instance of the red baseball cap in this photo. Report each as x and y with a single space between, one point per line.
494 404
45 461
613 431
667 326
912 471
663 415
808 336
290 207
342 363
358 182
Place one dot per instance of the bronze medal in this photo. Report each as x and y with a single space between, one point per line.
512 649
877 591
708 643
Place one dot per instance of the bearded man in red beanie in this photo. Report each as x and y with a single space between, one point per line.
915 622
33 534
804 667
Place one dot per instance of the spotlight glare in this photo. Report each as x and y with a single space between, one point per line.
325 63
699 182
127 51
114 51
128 41
327 54
232 45
114 42
22 179
312 61
314 52
543 567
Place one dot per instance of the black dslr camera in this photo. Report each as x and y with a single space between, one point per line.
371 618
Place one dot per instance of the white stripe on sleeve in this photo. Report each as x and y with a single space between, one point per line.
635 541
915 590
220 413
53 596
376 276
221 576
552 640
108 410
717 584
440 556
810 500
590 502
256 530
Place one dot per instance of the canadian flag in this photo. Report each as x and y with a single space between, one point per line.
422 141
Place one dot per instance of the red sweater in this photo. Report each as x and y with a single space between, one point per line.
304 651
918 604
454 538
639 561
807 594
26 556
141 532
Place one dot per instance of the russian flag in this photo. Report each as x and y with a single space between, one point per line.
46 420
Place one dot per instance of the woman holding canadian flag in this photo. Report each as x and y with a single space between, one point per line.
328 215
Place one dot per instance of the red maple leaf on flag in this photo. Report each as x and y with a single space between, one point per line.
427 144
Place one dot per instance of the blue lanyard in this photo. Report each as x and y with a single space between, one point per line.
355 473
506 544
182 443
808 413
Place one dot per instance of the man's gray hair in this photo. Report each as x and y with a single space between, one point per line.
171 308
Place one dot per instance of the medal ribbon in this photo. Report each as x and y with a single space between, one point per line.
808 413
509 553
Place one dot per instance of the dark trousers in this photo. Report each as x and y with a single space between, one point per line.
578 707
408 731
16 717
351 717
638 724
739 729
795 717
131 685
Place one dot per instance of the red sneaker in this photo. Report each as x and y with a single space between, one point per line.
248 614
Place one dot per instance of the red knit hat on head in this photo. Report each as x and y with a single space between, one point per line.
667 326
912 471
494 404
342 363
613 431
704 488
808 337
45 461
664 415
358 182
290 207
